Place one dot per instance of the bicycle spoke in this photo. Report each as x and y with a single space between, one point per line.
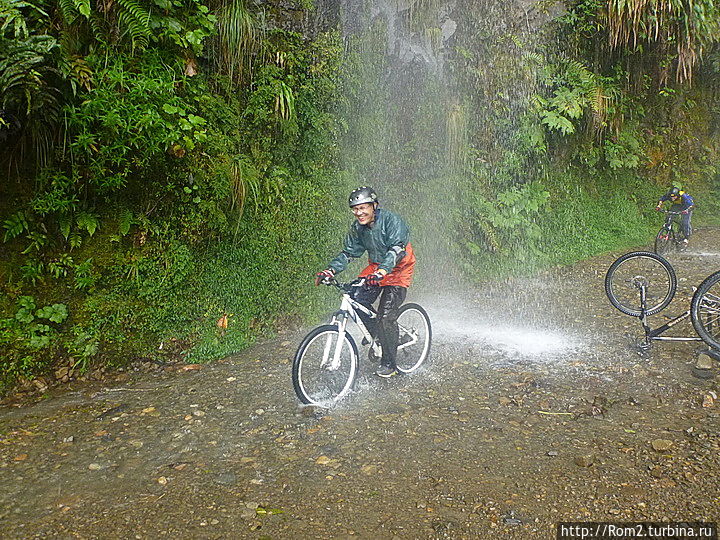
711 300
710 316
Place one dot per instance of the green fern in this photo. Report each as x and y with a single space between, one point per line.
15 225
125 221
64 223
88 222
133 21
11 16
557 122
26 75
75 240
72 10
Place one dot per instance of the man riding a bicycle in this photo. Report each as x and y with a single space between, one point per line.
386 238
682 203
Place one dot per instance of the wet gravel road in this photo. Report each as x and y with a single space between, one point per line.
533 409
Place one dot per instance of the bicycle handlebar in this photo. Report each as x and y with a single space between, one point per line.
346 287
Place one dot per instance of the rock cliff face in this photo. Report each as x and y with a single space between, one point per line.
416 29
434 38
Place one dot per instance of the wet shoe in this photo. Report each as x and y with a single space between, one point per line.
386 372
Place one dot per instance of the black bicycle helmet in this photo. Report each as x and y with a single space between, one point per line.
362 195
674 191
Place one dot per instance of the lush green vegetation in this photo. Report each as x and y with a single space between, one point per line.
579 140
169 164
175 175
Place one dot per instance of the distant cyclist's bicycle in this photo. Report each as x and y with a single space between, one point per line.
669 236
641 284
326 363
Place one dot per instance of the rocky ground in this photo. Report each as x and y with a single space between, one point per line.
534 409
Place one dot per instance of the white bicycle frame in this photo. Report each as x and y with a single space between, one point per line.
348 309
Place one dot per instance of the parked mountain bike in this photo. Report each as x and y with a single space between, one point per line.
641 284
327 361
670 237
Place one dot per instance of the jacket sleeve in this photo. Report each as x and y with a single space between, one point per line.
352 249
397 236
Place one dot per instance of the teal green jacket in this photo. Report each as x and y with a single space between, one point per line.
384 239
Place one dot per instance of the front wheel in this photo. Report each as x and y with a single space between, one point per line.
705 310
324 370
414 338
664 240
634 272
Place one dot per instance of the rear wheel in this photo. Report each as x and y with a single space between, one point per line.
414 339
632 272
705 310
319 376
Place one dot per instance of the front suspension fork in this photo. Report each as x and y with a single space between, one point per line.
341 322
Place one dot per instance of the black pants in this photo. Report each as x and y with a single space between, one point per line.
684 221
385 327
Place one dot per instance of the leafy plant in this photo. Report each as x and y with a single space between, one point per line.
624 151
123 21
88 222
507 225
30 331
15 225
578 93
239 42
679 29
83 346
29 88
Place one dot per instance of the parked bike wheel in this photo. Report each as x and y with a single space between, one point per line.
629 272
415 337
317 378
705 310
664 241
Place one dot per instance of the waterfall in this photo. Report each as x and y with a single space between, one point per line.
436 90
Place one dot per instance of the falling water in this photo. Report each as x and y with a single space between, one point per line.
438 90
437 93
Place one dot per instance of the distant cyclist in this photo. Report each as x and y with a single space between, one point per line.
386 238
683 203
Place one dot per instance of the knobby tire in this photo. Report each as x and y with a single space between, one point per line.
705 310
657 267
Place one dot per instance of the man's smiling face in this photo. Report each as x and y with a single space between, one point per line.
365 213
